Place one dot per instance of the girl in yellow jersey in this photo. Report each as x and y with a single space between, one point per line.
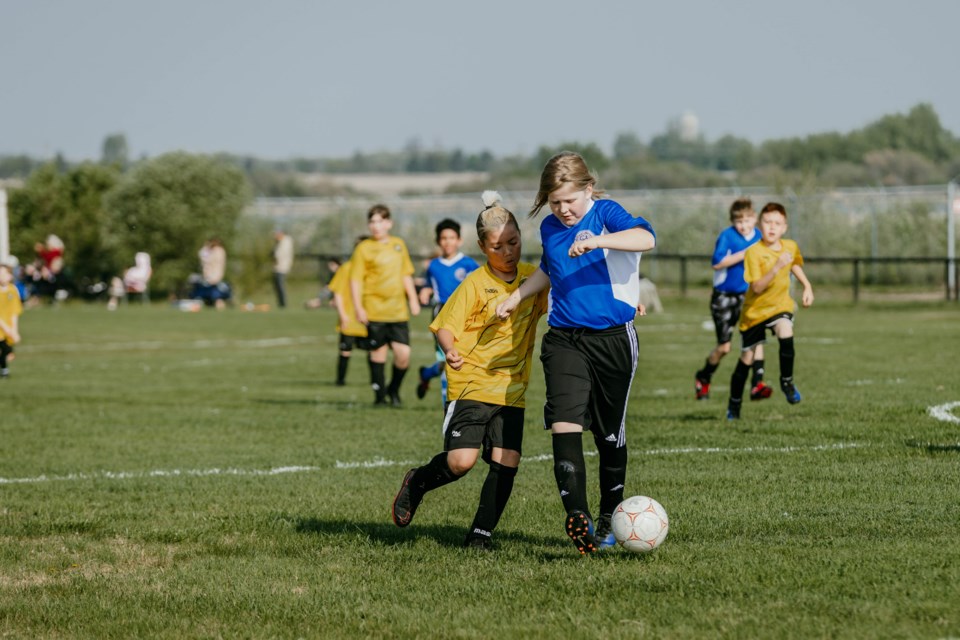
381 283
488 364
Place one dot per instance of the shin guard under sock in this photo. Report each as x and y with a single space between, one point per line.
378 379
757 373
787 355
570 471
396 379
493 499
738 380
433 475
342 368
613 474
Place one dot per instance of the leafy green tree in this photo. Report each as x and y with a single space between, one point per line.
69 204
115 150
170 205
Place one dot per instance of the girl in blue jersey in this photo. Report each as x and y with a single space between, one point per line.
726 301
591 259
444 274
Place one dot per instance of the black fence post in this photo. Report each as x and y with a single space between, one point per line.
683 276
856 280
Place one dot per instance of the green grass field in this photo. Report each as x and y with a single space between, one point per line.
168 474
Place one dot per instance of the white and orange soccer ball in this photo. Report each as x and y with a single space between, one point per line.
640 524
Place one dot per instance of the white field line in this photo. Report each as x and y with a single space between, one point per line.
943 412
154 345
384 462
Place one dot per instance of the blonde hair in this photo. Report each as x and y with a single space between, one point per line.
564 167
493 216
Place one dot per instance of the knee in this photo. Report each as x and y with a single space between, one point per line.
460 461
723 349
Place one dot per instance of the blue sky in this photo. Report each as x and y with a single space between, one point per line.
296 78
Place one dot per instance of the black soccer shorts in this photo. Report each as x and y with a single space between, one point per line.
469 424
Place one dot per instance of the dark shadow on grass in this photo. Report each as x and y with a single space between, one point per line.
310 402
448 535
933 447
703 417
545 548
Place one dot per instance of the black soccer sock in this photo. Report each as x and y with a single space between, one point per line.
433 475
787 355
342 368
493 499
570 470
377 379
757 373
613 473
396 379
738 380
707 372
5 350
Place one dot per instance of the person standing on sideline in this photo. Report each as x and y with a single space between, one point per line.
381 282
10 310
489 363
726 300
444 273
591 259
351 333
767 305
282 261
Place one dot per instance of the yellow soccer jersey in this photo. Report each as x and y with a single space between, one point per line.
10 306
758 260
380 267
340 285
497 355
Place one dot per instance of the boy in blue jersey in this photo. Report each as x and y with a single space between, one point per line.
444 273
591 260
726 301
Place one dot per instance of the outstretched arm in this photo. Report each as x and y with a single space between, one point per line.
636 239
537 282
807 298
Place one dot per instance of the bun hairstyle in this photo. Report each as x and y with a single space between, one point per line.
494 215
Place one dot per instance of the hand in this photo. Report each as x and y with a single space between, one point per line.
786 259
344 320
641 309
508 306
454 361
425 294
581 247
361 314
807 297
414 306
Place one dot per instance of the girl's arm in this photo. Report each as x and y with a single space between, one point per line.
730 260
356 290
411 290
636 239
448 343
537 282
760 284
807 298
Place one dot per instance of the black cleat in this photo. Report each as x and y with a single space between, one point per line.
580 529
480 543
406 502
423 385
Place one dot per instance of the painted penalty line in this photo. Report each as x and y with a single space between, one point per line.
383 462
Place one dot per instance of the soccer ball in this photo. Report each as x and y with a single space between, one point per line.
640 524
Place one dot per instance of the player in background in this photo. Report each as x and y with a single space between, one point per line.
767 305
10 309
591 260
381 283
726 300
351 332
489 367
444 273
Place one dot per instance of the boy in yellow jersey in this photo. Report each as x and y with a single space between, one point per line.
767 304
10 310
352 333
488 368
381 283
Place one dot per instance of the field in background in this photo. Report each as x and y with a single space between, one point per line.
171 474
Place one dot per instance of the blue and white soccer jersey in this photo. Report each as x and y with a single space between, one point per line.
730 280
445 274
606 282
